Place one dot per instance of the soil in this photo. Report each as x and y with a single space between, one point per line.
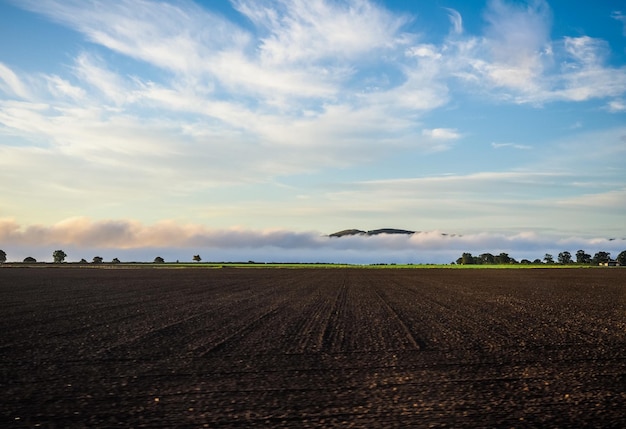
165 348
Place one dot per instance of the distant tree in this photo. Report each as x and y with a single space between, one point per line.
30 260
537 261
565 257
197 258
58 256
621 258
503 258
159 260
487 258
97 259
82 261
115 261
525 262
582 257
466 259
600 257
3 256
548 259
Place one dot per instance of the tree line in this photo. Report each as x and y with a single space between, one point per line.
563 258
58 256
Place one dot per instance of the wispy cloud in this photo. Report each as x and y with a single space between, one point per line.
310 64
616 106
517 61
309 31
619 16
511 145
609 200
11 84
456 19
177 37
517 39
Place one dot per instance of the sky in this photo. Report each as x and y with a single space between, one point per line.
252 129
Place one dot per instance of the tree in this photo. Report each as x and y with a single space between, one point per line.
487 258
621 258
59 256
466 259
115 261
503 258
197 258
159 260
548 259
82 261
601 257
582 257
30 260
565 257
3 256
97 259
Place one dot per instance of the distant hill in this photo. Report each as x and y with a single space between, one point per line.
348 232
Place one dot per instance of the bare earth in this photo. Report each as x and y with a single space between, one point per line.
85 347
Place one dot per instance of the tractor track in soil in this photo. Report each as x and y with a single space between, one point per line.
312 348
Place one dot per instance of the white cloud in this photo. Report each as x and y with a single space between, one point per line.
178 37
424 51
516 61
442 134
511 145
308 31
585 51
465 183
62 88
109 85
616 106
517 38
11 84
583 74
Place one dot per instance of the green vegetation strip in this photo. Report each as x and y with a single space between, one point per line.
219 265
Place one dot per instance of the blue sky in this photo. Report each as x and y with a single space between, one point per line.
130 126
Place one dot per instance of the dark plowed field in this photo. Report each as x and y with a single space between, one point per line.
85 347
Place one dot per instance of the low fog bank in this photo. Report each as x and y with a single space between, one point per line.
131 241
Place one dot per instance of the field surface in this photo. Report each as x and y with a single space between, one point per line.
85 347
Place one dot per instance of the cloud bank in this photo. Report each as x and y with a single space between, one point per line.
133 241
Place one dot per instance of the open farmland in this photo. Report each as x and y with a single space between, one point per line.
85 347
